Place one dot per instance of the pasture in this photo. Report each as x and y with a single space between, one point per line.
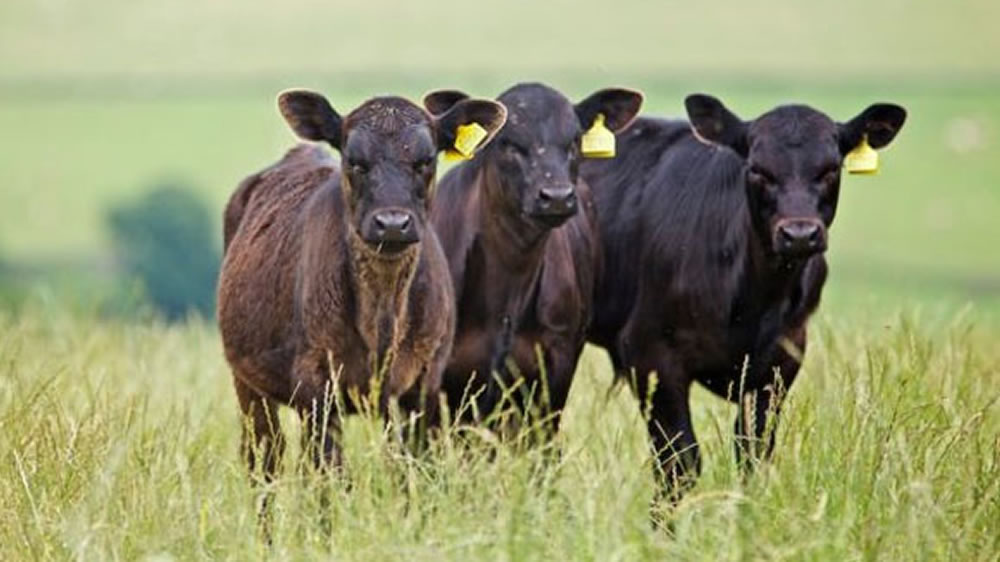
120 442
119 433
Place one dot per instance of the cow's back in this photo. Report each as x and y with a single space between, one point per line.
675 224
630 201
256 298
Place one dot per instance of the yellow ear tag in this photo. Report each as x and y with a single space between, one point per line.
598 141
863 159
467 138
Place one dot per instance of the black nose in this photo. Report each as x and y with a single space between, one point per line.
557 200
394 226
801 236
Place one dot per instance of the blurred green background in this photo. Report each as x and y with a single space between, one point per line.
152 112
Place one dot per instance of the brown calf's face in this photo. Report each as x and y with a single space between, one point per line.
389 150
793 156
534 160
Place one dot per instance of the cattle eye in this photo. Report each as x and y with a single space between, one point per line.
572 148
759 176
511 148
358 167
829 175
423 165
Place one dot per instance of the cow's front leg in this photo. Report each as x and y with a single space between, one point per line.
663 389
316 401
263 445
417 415
761 401
557 356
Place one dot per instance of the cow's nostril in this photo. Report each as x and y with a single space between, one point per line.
814 235
810 234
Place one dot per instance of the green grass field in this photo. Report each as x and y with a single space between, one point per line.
119 434
120 442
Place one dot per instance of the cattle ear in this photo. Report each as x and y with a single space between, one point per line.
487 114
620 106
712 122
440 101
880 122
311 116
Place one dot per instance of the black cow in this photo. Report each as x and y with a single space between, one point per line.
713 234
519 232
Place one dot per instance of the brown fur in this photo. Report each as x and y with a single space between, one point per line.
299 288
334 293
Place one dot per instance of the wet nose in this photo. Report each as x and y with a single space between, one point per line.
558 199
393 226
800 236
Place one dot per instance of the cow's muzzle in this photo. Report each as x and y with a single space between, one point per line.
555 204
392 230
799 237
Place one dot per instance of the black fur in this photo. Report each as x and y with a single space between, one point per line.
704 272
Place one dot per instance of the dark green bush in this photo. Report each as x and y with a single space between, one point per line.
167 240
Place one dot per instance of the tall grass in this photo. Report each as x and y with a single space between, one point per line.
119 441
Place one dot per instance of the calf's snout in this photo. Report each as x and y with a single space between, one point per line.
396 227
556 200
800 237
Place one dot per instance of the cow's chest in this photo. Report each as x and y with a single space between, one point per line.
479 338
733 352
357 366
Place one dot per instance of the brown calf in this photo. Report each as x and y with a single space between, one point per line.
332 270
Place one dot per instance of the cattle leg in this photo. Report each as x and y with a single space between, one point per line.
663 392
262 445
560 364
421 406
321 436
760 403
315 400
321 445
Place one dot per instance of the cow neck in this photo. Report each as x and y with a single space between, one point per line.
509 236
772 276
381 287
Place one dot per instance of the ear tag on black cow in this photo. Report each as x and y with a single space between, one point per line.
598 141
863 159
467 138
